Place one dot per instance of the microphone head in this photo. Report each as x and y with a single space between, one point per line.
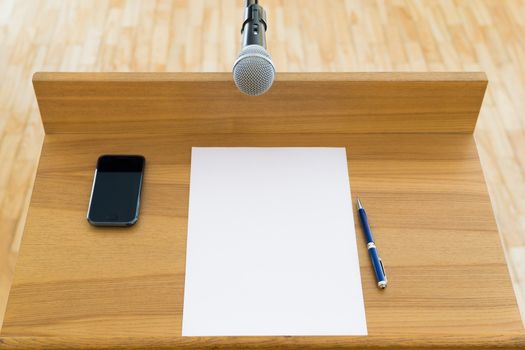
253 71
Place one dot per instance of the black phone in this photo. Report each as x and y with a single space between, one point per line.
115 195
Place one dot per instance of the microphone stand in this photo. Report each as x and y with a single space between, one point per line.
254 27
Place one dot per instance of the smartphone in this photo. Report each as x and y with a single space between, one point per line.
115 195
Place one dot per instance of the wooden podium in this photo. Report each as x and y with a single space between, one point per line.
412 159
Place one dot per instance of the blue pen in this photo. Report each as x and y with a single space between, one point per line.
379 269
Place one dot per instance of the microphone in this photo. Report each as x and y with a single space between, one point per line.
253 71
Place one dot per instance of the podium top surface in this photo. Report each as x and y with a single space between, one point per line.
77 286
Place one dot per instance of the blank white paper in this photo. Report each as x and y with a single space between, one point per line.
271 244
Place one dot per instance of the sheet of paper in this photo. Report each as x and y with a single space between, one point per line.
271 244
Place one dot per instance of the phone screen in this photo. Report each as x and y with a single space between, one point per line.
115 197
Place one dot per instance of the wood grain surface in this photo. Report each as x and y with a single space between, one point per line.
425 194
297 103
391 342
334 36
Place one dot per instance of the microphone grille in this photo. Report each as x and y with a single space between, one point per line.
253 72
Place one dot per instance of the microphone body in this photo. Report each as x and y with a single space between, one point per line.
253 71
254 27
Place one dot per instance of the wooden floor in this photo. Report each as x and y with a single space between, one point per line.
330 35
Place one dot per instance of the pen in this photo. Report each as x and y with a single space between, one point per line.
377 263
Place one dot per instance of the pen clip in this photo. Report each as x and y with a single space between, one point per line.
383 269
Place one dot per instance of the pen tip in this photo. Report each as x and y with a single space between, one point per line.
359 204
